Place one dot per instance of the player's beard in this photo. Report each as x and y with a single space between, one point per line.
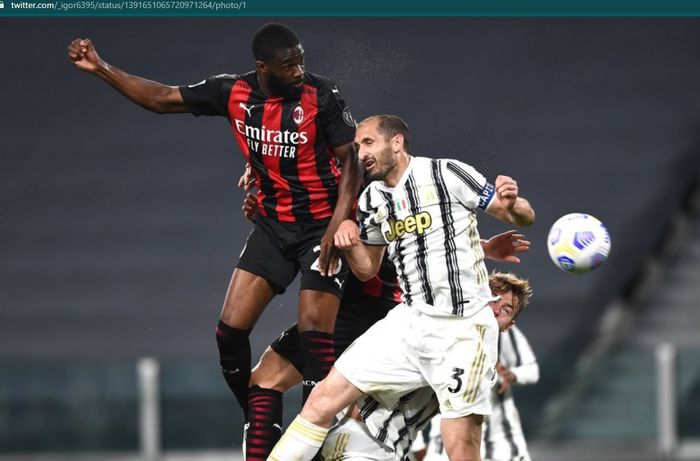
385 163
280 88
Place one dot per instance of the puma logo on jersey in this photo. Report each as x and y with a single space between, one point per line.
246 108
412 224
335 90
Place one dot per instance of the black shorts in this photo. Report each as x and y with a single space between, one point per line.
356 315
277 251
354 318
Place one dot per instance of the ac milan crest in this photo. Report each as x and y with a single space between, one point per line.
298 115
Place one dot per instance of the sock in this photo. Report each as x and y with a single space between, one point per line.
234 357
319 357
300 442
264 423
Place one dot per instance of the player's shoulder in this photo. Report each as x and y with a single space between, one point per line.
219 81
458 169
327 90
371 197
319 81
249 79
424 162
420 163
227 77
453 163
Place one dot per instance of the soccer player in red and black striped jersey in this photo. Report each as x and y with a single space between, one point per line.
282 364
295 130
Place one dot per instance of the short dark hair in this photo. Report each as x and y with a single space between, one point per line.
390 126
271 38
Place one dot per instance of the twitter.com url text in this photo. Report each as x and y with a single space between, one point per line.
127 5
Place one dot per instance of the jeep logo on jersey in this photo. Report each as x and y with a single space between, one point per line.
298 115
412 224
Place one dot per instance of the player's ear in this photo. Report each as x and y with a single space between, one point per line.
397 142
261 67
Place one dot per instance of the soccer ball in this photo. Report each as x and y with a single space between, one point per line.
578 242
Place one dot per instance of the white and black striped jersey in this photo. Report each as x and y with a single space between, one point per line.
502 432
429 223
397 428
503 436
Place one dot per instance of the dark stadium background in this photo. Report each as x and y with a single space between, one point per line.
120 228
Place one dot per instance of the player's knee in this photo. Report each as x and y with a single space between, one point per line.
267 381
469 452
274 372
319 408
234 346
317 321
317 311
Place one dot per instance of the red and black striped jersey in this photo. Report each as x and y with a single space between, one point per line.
288 142
384 284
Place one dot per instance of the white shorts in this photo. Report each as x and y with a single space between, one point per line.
409 349
349 440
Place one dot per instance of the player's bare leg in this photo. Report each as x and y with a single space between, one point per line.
246 298
305 435
317 313
274 372
462 437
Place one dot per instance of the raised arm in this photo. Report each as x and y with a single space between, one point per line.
508 206
148 94
348 188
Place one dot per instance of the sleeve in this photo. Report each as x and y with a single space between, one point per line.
526 371
369 219
468 185
334 116
208 97
419 443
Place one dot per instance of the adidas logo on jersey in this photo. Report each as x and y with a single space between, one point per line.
412 224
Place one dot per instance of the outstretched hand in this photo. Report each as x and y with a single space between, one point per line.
83 55
504 247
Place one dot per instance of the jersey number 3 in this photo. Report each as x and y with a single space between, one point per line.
458 372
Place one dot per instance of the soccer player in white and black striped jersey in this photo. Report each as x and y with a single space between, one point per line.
503 435
503 438
387 434
444 334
